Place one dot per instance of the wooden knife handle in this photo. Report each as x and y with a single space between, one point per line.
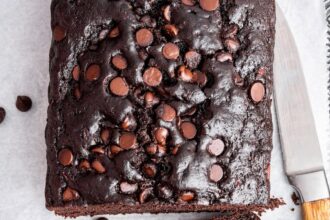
317 210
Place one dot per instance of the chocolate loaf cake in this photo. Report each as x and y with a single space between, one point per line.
159 106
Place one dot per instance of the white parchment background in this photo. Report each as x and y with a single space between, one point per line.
24 45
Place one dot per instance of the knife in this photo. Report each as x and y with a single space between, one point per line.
300 146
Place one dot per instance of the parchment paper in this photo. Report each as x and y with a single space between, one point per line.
24 45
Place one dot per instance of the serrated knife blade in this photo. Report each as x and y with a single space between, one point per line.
300 146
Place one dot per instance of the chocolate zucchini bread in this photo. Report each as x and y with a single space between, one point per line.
159 106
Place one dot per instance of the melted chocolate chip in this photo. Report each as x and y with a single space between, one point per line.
187 196
171 30
85 165
127 141
185 74
119 62
167 13
76 73
128 188
114 32
145 195
98 166
257 92
216 147
119 87
209 5
232 45
192 59
70 194
166 112
93 72
105 135
188 2
171 51
114 149
161 135
65 157
224 57
215 173
59 33
152 77
149 169
144 37
98 150
164 191
188 130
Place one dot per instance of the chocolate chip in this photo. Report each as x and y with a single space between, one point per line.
114 32
150 99
152 76
114 149
185 74
261 71
231 32
215 173
167 13
128 123
101 218
161 135
76 73
238 80
145 195
128 188
188 2
2 114
70 194
175 149
162 149
171 51
98 149
149 169
77 92
59 33
216 147
232 45
188 130
187 196
209 5
164 191
127 141
257 92
118 86
98 166
23 103
93 72
105 135
144 37
103 34
119 62
65 157
85 165
200 78
151 149
192 59
148 21
166 112
224 57
268 171
171 30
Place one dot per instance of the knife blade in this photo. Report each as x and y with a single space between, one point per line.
300 146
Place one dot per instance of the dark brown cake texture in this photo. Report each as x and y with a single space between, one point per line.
159 106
